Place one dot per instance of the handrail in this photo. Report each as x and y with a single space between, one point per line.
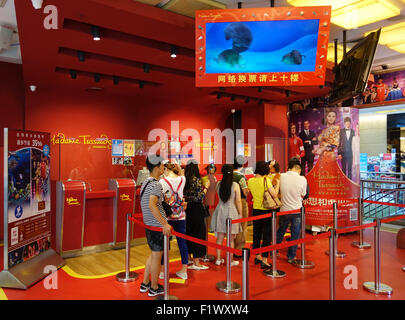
383 181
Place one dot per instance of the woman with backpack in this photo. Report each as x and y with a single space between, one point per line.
229 206
173 185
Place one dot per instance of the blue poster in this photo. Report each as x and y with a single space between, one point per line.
117 148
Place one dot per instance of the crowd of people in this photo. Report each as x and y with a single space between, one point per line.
183 200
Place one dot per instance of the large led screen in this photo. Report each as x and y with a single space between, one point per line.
262 47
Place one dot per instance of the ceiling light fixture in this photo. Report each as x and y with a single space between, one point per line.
116 80
73 74
260 101
233 97
37 4
219 95
95 31
352 14
173 52
81 56
97 77
247 99
141 84
146 68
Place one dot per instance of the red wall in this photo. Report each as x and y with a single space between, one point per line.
11 97
11 111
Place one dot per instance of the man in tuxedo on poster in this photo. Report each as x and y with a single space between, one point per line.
345 150
309 139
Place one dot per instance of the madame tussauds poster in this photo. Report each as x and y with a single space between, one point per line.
328 143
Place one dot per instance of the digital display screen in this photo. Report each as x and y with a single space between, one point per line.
279 46
262 46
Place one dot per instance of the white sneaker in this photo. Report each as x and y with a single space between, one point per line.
219 262
182 275
234 263
194 267
161 275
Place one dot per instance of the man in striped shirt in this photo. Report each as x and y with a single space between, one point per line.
154 216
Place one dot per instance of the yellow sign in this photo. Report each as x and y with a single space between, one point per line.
129 148
72 201
125 197
101 142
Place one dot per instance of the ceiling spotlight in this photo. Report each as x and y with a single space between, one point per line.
173 52
81 56
260 89
97 77
260 101
146 68
37 4
73 74
219 95
116 80
33 88
141 84
95 31
287 93
247 99
233 97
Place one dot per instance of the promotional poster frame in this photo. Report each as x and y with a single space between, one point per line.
26 273
265 78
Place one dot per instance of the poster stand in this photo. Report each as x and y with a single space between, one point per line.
28 257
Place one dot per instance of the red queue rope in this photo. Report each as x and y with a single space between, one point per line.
199 241
356 228
290 243
394 218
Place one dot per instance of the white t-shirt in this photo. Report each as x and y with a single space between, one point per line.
293 188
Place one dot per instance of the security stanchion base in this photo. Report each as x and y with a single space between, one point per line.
121 277
208 258
303 264
383 289
361 245
339 254
274 274
231 287
162 297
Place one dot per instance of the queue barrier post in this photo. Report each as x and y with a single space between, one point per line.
302 263
338 254
377 287
332 264
207 257
361 244
245 274
273 272
166 248
127 275
228 286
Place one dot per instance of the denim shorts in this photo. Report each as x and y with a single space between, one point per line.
155 240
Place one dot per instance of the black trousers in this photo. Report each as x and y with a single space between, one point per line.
195 227
262 230
347 162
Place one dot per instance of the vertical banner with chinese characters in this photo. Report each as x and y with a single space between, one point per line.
28 200
327 141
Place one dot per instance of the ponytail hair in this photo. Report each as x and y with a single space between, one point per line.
226 182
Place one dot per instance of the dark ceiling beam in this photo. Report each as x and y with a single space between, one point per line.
109 46
135 18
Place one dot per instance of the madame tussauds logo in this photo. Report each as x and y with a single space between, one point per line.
208 149
101 142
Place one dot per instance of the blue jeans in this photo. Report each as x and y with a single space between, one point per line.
180 227
295 220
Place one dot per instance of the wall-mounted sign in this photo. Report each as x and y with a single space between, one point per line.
101 142
262 46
